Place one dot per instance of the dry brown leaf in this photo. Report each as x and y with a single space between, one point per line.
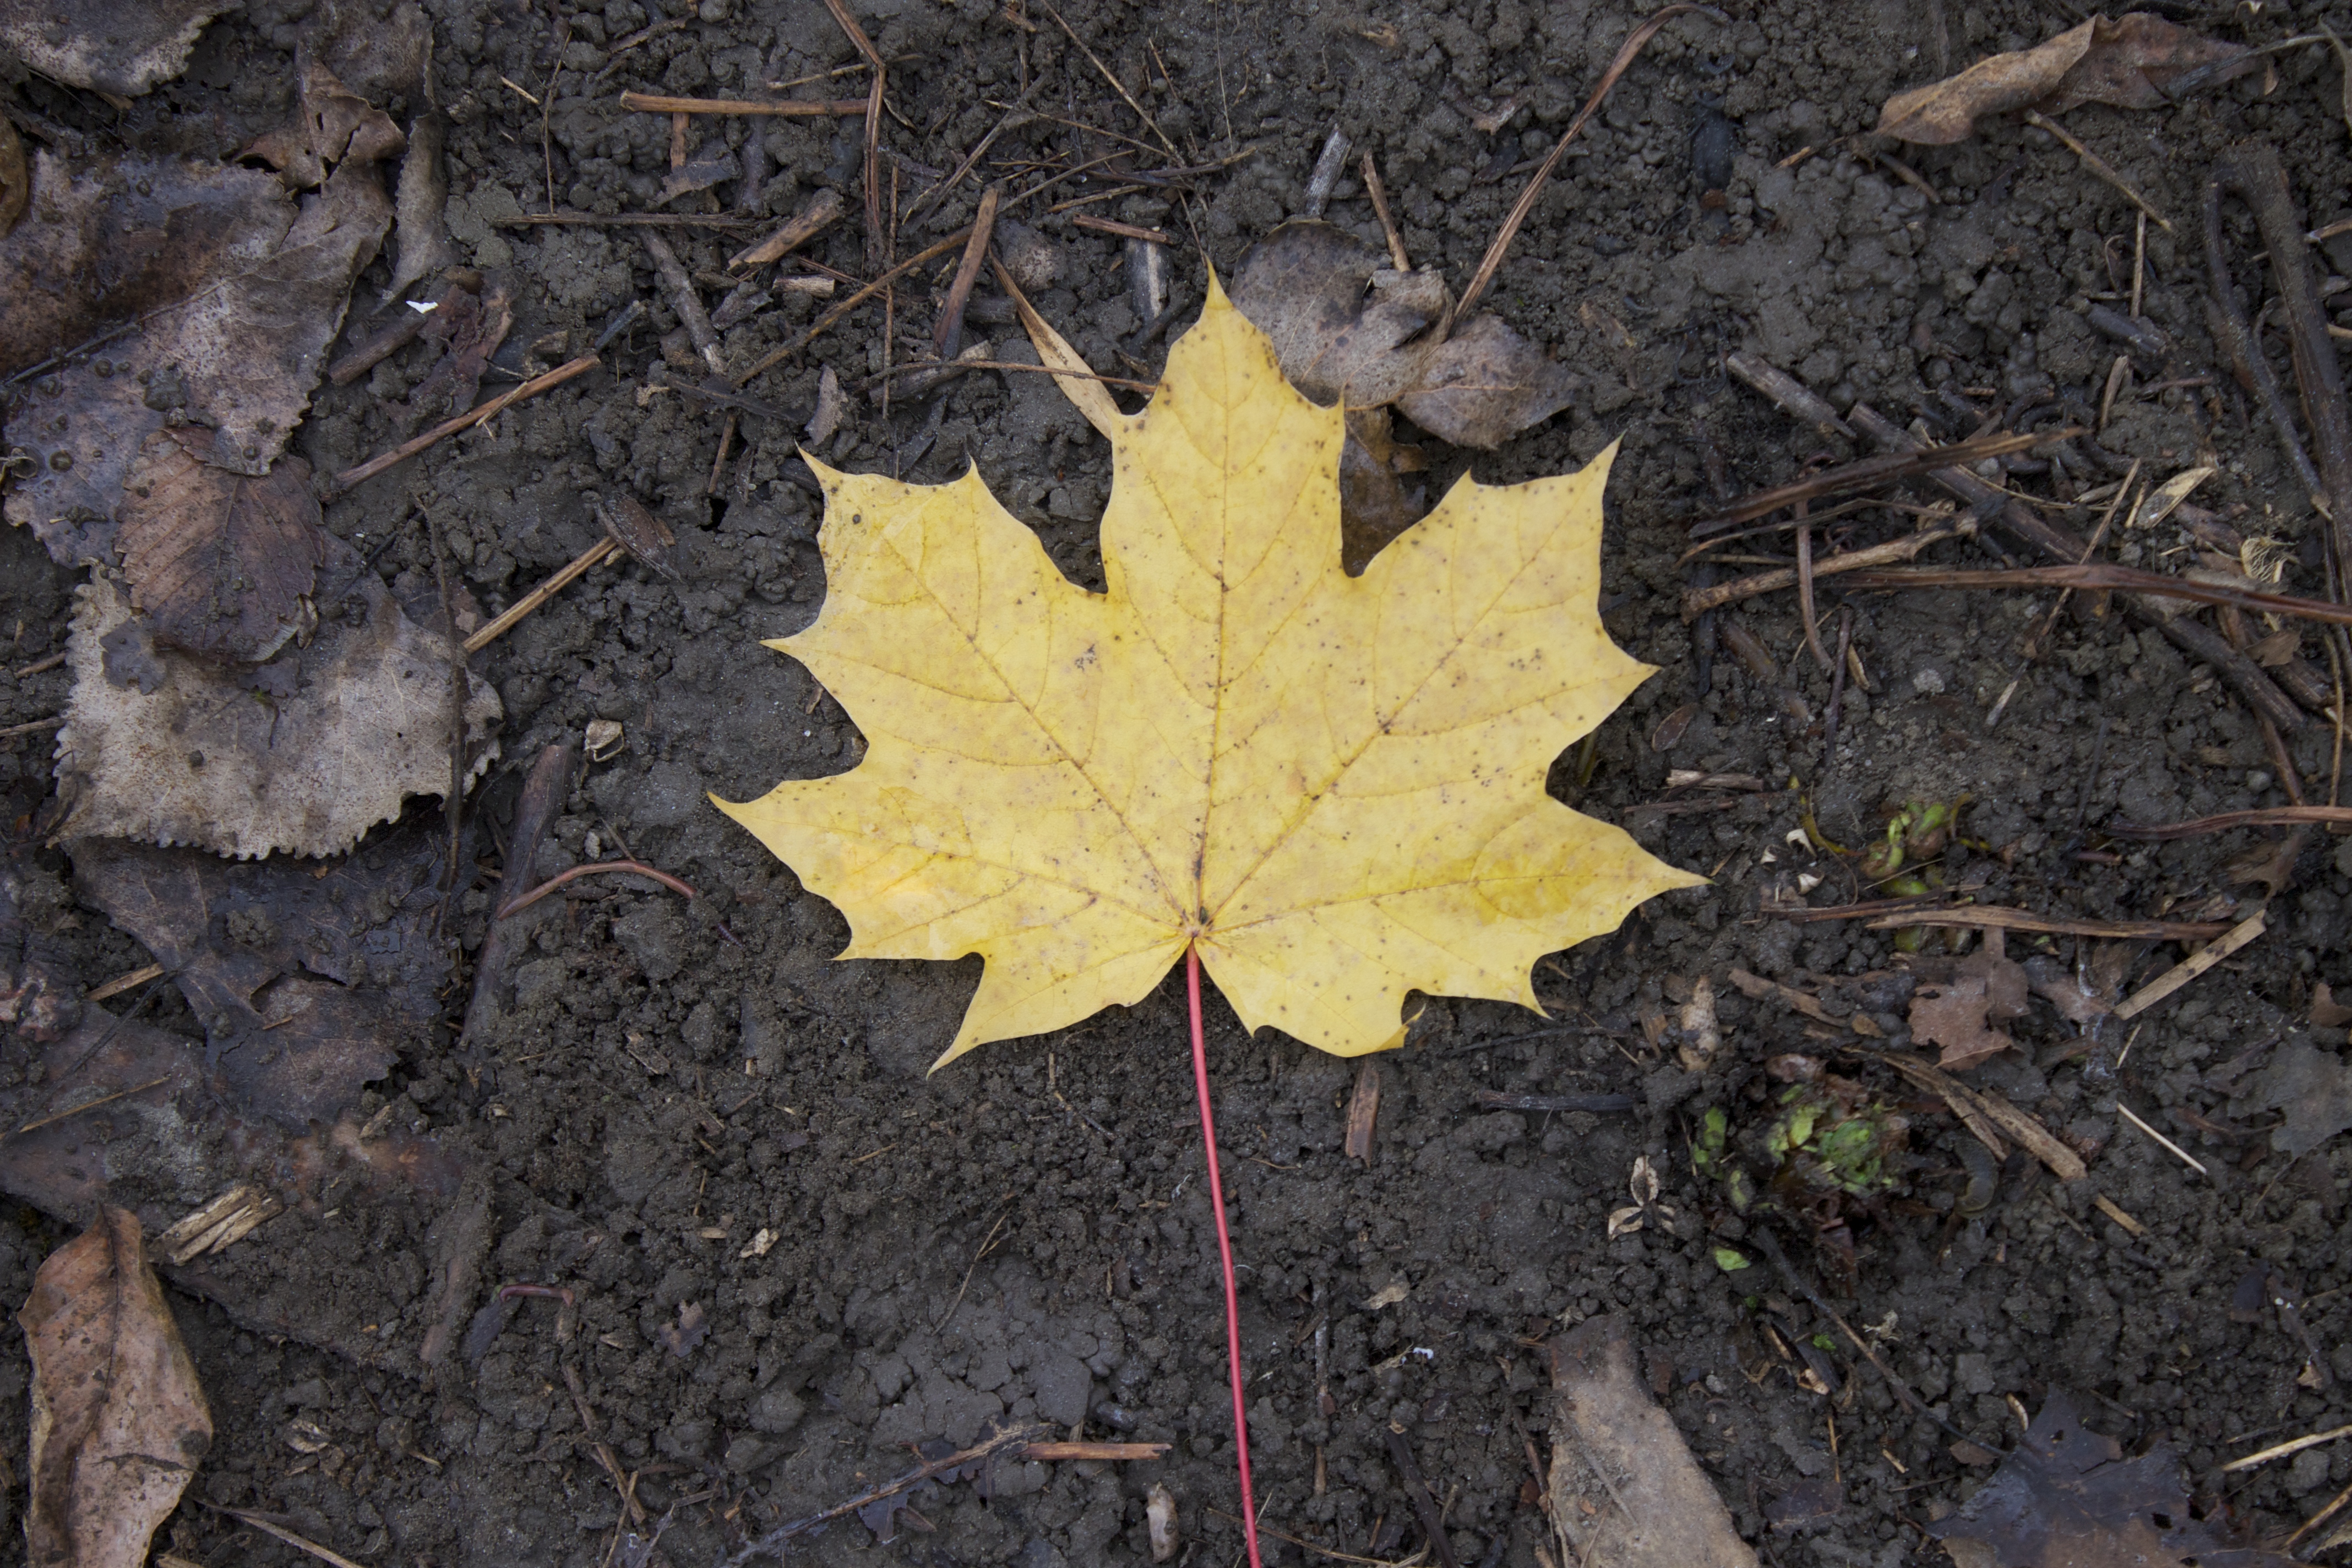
2326 1013
1958 1014
2067 1498
232 327
303 753
2124 62
222 565
106 44
1623 1487
119 1419
2314 1087
1348 328
1374 505
420 209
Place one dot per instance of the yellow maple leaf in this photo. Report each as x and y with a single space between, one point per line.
1333 785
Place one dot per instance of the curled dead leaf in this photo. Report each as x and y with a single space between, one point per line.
118 1418
221 565
419 209
1348 328
2125 62
1957 1014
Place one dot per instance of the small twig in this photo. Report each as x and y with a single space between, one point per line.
1495 1099
2098 167
2050 621
2185 1157
1788 395
631 868
121 982
824 323
623 220
38 664
299 1544
1416 1491
905 367
687 303
2265 816
824 210
1321 1551
540 594
1123 230
51 722
1770 1245
771 1544
543 795
947 336
344 482
1112 1453
1837 689
874 90
1873 473
1805 590
812 108
1492 261
2122 579
1380 195
1112 77
88 1105
1986 917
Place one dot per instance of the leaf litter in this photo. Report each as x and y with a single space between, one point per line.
104 45
221 564
120 1421
1958 1012
2065 1497
2127 63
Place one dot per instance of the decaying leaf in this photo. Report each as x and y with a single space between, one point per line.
420 209
308 984
1331 786
1958 1014
2312 1086
2327 1012
1374 505
2067 1498
118 1418
2125 62
232 326
220 564
303 753
105 44
1348 328
1625 1490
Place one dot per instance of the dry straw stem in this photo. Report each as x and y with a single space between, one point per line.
348 477
2267 816
1869 473
1988 1105
2120 579
2190 968
2280 1450
1989 918
657 103
1489 264
2185 1157
2097 165
540 594
1698 601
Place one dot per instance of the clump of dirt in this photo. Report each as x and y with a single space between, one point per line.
791 1254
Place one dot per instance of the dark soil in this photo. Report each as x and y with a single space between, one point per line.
1025 1234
